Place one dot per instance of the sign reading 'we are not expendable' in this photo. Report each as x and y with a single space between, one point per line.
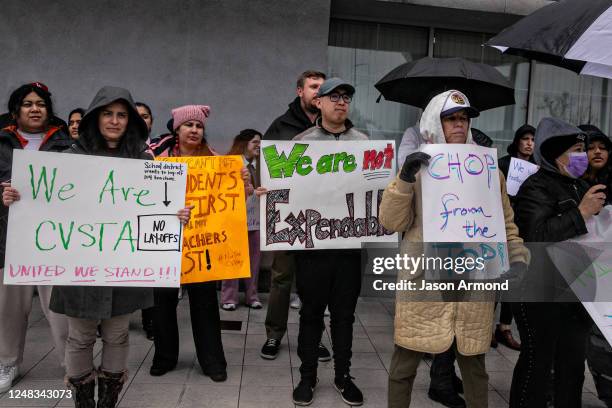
324 194
94 221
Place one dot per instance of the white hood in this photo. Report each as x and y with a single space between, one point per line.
431 123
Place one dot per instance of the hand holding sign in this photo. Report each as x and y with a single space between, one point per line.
412 165
9 194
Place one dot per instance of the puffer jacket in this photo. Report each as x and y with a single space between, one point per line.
546 207
55 140
428 326
103 302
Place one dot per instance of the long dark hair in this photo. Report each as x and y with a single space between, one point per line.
131 145
240 144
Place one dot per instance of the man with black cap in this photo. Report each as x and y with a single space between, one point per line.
329 277
300 116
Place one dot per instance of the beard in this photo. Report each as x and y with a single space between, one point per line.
310 107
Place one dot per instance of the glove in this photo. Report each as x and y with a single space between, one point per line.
412 165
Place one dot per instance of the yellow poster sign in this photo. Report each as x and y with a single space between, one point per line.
215 242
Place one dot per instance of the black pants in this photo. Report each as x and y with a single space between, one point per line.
553 336
327 278
505 314
442 372
147 317
205 323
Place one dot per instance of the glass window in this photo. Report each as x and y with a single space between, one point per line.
362 53
575 98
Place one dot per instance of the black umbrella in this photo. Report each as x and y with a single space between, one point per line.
573 34
416 82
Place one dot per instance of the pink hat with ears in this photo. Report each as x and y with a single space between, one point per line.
190 112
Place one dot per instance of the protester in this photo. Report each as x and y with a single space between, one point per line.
74 119
431 327
300 116
329 278
146 114
520 148
189 125
552 205
110 127
31 108
598 153
246 144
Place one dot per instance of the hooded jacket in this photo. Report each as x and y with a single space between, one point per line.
546 211
427 326
289 124
55 140
101 302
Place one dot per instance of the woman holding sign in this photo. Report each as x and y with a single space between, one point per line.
436 326
188 124
110 127
246 144
30 107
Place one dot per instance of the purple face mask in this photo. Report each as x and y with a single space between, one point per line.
578 164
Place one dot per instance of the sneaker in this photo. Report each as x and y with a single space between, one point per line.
269 351
447 398
324 354
255 305
230 307
304 392
348 390
7 374
295 303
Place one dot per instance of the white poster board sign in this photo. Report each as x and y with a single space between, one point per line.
518 172
324 194
94 221
461 202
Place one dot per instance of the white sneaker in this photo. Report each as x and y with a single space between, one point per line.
7 374
295 303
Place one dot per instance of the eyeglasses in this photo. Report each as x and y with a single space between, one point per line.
336 97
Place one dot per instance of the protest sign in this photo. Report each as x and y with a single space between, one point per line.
94 221
461 203
324 194
518 172
215 245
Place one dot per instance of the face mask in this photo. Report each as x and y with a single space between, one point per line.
578 163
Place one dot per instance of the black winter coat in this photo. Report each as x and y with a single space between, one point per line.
546 211
103 302
55 141
289 124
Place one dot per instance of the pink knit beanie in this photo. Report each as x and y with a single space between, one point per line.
190 112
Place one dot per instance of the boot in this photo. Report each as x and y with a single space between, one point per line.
83 390
109 387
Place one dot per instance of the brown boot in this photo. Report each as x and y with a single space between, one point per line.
505 337
109 387
83 390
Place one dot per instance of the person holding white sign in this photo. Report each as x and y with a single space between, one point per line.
31 108
552 205
329 277
110 127
434 327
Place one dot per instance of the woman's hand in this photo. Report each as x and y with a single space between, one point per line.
245 174
9 194
184 214
593 201
259 191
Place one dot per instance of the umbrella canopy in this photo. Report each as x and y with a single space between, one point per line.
416 82
573 34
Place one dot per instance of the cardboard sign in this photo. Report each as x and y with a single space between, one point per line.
215 243
519 171
461 201
94 221
324 194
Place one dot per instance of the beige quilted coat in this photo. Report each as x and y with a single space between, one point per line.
431 326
